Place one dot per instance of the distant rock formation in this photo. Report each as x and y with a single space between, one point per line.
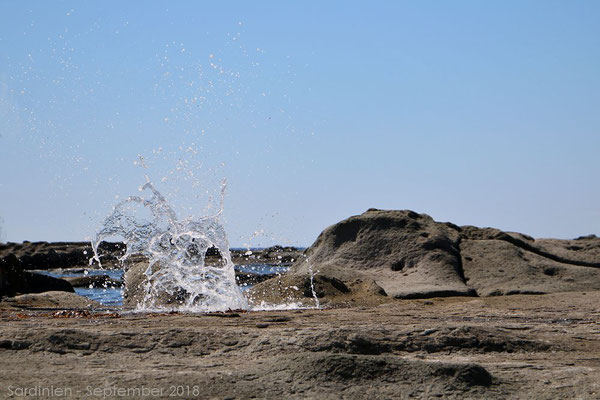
409 255
45 255
55 255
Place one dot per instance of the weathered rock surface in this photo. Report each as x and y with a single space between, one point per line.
534 347
497 267
410 255
13 280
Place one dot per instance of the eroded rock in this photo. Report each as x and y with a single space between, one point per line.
411 256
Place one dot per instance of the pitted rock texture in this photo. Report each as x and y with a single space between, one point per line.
409 255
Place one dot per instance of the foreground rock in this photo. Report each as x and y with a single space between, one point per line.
410 256
529 347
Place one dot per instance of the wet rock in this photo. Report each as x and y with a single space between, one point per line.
137 284
135 289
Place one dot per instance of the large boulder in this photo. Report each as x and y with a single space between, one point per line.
407 254
410 255
13 280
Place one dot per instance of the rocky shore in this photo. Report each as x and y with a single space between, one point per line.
521 346
411 308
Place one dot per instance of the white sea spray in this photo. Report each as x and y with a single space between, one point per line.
176 251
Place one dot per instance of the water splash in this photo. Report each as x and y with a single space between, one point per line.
312 283
176 251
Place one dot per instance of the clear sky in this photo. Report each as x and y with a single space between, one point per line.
475 112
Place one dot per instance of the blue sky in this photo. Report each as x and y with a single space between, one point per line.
482 113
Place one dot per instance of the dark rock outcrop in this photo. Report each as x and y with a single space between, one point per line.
13 280
411 256
44 255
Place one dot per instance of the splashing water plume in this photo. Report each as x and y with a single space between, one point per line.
176 251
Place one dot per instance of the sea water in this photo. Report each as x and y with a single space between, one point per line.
112 295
